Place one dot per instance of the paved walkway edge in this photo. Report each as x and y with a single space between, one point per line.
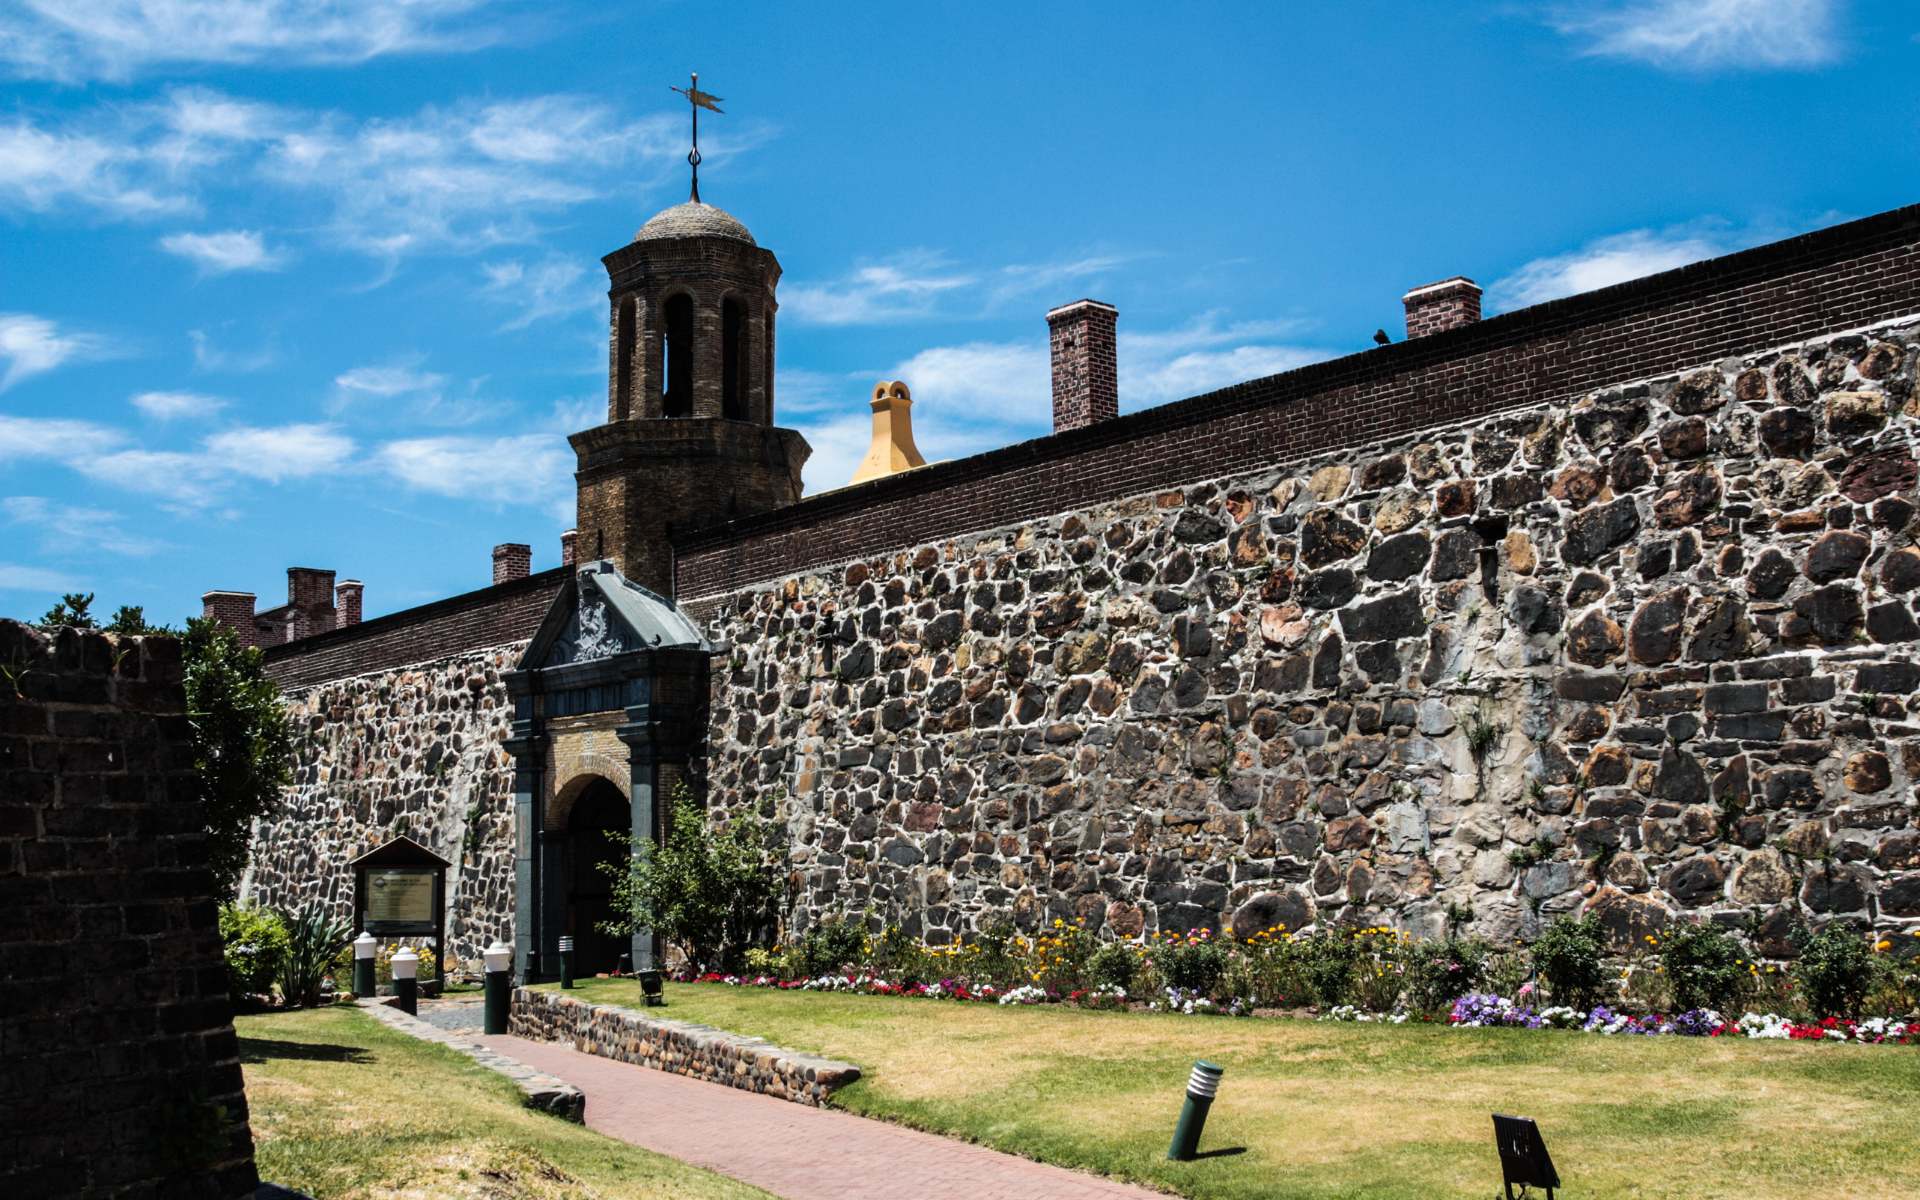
545 1092
679 1047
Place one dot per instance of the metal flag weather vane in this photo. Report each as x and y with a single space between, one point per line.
697 100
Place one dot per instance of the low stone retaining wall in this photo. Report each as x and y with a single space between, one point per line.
542 1091
682 1047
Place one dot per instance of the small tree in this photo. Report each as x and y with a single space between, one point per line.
710 891
73 609
242 742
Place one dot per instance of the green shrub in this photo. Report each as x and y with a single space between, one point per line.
1114 965
1567 959
1705 967
314 940
1441 970
1836 970
1327 961
996 955
832 946
254 942
1060 956
1193 963
710 890
898 957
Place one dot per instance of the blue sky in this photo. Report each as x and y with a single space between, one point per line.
318 284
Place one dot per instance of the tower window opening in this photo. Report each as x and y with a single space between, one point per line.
623 361
677 351
733 320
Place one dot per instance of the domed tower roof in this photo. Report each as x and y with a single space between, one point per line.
694 219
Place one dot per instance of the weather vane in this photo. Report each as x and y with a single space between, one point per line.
697 100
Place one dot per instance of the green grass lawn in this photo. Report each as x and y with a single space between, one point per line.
1322 1110
344 1108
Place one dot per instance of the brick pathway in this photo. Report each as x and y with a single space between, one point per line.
789 1149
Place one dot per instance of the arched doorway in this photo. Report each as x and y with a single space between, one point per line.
598 830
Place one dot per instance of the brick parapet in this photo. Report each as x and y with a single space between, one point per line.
491 616
1849 276
122 1069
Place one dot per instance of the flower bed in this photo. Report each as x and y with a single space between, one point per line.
1477 1010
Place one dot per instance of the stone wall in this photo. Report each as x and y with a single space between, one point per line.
1647 652
122 1071
414 751
681 1047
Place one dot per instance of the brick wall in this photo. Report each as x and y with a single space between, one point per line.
1835 279
122 1075
492 616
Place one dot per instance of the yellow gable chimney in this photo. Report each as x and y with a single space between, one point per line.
892 450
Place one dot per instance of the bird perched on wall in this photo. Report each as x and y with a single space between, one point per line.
1380 337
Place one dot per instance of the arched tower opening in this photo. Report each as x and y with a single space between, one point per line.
624 337
733 365
676 349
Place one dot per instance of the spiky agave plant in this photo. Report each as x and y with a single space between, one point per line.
314 940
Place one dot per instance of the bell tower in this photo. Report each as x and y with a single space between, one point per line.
689 438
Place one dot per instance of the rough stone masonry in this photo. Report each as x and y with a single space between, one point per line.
1647 653
1603 605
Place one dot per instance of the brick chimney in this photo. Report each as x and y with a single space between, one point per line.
1086 373
346 602
310 596
1438 307
234 610
511 561
567 541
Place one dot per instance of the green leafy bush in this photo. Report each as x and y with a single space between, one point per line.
712 891
1192 963
242 741
898 957
1836 970
1114 965
1568 960
1705 966
1441 970
831 946
314 941
254 943
1327 961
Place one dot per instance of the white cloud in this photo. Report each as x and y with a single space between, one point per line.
14 577
923 283
30 345
75 531
174 406
282 452
1704 34
1008 382
393 379
535 468
183 482
118 39
550 287
53 437
460 176
218 253
1613 259
40 170
209 357
1199 371
902 288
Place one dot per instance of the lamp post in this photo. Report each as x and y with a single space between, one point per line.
499 984
1201 1086
566 962
406 980
363 949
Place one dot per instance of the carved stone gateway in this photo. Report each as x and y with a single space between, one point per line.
608 704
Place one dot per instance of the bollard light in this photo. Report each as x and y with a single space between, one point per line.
363 950
499 982
1202 1084
651 988
406 981
566 962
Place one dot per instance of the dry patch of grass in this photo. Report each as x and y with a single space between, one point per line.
1319 1110
343 1108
